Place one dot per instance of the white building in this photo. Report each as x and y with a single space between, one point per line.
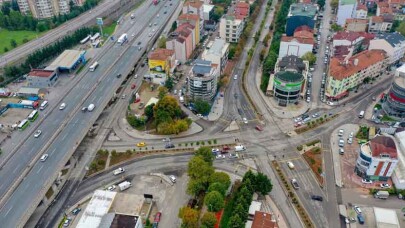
230 28
398 178
207 11
386 218
346 10
361 11
203 80
392 43
217 52
39 78
295 46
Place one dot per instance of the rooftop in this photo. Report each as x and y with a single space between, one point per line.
121 221
207 8
194 3
382 145
386 218
377 19
356 20
304 28
161 54
340 70
188 17
66 60
392 38
28 90
400 169
291 62
288 76
303 9
362 7
350 36
201 67
254 206
400 81
41 73
300 40
264 220
218 47
348 2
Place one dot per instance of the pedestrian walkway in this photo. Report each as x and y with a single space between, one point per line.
217 108
276 212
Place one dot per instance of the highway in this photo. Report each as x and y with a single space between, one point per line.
64 129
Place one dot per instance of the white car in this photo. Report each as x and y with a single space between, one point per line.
245 120
37 133
220 156
385 185
357 209
215 150
62 106
350 140
172 178
315 115
136 75
297 119
290 165
341 131
199 115
111 188
235 77
308 99
366 181
351 135
44 157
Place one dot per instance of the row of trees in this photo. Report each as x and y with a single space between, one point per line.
204 180
12 19
279 29
39 57
237 210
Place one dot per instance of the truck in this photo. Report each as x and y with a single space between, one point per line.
121 40
240 148
91 107
124 185
382 195
294 183
118 171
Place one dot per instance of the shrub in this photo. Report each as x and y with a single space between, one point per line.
299 148
215 141
209 142
101 162
191 144
202 143
319 170
179 144
197 143
313 142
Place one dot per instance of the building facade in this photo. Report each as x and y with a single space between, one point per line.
44 8
181 41
217 52
378 24
361 11
394 104
392 43
41 78
345 75
230 28
377 158
299 44
346 10
162 61
203 80
301 14
195 21
356 25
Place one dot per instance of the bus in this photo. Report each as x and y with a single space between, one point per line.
94 66
95 37
24 124
33 116
85 40
43 105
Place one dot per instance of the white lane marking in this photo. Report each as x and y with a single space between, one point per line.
63 138
52 151
15 169
39 170
8 211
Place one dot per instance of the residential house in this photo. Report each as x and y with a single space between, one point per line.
195 21
392 43
353 42
383 8
361 11
203 80
351 72
39 78
162 61
264 220
301 14
356 25
378 24
217 52
230 28
181 41
299 44
346 10
377 158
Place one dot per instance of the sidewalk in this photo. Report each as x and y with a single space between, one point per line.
276 212
217 108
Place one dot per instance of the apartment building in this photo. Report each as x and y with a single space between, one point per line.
181 41
394 105
378 24
356 25
392 43
361 11
230 28
203 80
346 10
353 42
217 52
347 74
196 22
44 8
299 44
301 14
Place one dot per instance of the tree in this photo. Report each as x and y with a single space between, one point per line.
217 187
174 26
162 92
202 106
195 187
189 217
217 14
401 28
149 111
335 27
206 154
321 3
232 50
209 220
5 49
214 201
222 178
235 222
162 42
169 84
199 169
310 57
334 4
263 184
13 43
5 8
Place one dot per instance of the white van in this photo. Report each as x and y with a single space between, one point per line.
62 106
91 107
361 115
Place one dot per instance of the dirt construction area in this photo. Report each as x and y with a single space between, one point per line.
146 92
14 116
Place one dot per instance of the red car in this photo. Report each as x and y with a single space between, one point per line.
157 217
259 128
133 86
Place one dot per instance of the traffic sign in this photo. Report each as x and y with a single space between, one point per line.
99 21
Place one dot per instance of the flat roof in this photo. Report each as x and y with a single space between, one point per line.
254 206
66 60
41 73
400 169
386 218
28 90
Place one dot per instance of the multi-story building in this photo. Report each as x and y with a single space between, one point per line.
181 41
299 44
378 24
230 28
377 158
217 52
162 61
194 7
394 104
353 42
346 10
392 43
356 25
361 11
383 8
44 8
346 74
38 78
203 79
208 10
301 14
195 21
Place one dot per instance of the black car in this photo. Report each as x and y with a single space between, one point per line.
118 75
139 43
315 197
76 211
169 146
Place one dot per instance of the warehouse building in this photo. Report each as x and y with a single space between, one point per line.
67 61
39 78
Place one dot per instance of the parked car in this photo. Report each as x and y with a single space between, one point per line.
220 156
385 185
366 181
76 210
172 178
259 128
233 156
341 131
111 188
318 198
357 209
245 120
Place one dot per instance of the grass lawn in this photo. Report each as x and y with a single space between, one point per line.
109 29
6 37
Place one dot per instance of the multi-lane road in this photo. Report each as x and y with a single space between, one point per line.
64 129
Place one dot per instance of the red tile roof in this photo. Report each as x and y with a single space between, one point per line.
304 28
264 220
303 34
161 54
362 7
385 10
339 71
377 19
340 52
189 17
350 36
195 4
300 40
381 145
41 73
356 20
242 10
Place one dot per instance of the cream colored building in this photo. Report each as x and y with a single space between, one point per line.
44 8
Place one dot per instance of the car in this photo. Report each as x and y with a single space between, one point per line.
62 106
133 86
166 140
123 96
153 30
150 34
111 188
172 178
351 134
330 103
199 115
341 143
165 12
341 132
220 156
141 144
37 133
290 165
347 221
316 115
66 223
233 156
139 43
170 4
215 150
245 120
136 76
119 75
76 211
357 209
341 151
84 109
385 185
373 98
350 140
169 146
133 34
308 99
44 157
259 128
235 77
298 119
318 198
366 181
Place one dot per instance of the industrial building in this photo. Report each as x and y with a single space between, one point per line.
67 61
38 78
394 104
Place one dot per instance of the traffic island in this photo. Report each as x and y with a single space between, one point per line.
314 124
312 153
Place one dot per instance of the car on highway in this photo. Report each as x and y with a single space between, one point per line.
385 185
62 106
357 209
76 210
318 198
37 133
141 144
169 146
111 188
44 157
119 75
245 120
366 181
172 178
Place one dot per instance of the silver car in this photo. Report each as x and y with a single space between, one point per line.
37 133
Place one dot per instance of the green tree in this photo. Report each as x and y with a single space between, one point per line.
174 26
401 28
232 50
263 184
195 187
321 3
310 57
189 217
206 154
13 43
217 187
335 27
214 201
222 178
162 42
169 84
162 92
149 111
235 222
241 211
334 4
217 14
5 49
199 169
202 106
209 220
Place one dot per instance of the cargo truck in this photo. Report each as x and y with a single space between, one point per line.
118 171
122 39
240 148
124 185
382 195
